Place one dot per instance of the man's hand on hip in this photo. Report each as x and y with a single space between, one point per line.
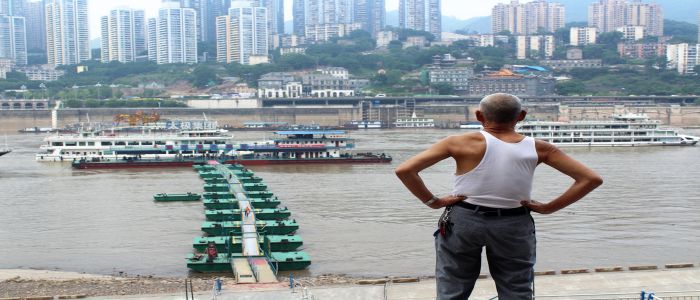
447 201
537 207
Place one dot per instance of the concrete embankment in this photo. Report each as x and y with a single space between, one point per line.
448 115
672 281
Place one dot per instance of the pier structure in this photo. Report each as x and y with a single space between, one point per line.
253 266
252 237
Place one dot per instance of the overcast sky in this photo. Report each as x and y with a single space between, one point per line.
463 9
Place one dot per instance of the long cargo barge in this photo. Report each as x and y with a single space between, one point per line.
178 163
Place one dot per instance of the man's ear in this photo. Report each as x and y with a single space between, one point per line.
522 115
479 116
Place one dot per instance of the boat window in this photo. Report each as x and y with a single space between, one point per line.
160 142
91 143
71 143
106 143
120 143
146 143
81 143
133 143
57 144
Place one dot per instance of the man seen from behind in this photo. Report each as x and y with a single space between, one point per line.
490 204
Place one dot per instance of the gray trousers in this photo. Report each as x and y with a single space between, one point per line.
510 251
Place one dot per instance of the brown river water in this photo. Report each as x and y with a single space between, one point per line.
355 219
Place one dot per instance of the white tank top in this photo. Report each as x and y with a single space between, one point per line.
503 178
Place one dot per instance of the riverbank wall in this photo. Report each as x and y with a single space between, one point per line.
446 116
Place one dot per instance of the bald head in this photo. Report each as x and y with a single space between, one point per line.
500 108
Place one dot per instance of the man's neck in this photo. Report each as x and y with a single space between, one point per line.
499 128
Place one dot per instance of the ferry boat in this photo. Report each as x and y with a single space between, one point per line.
291 147
186 139
414 122
366 124
305 146
621 130
473 125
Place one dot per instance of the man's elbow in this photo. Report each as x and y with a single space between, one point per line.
402 171
595 181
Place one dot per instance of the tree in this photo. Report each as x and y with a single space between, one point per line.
204 76
610 39
443 88
571 87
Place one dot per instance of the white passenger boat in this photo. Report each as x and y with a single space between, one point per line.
414 122
187 139
621 130
366 124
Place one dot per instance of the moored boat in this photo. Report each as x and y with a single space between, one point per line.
235 214
195 140
162 197
276 242
283 261
232 203
234 227
288 261
631 130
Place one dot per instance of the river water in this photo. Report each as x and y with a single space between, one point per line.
357 220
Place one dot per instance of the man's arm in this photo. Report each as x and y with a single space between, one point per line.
585 179
408 173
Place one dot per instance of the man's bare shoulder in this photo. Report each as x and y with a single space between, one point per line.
544 149
465 139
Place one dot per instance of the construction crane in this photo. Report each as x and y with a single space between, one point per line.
138 118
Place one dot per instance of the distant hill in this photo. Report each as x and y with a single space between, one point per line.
450 24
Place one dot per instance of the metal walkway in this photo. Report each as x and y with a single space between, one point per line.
255 261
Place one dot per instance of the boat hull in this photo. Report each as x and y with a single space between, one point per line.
339 160
176 197
164 163
283 243
269 227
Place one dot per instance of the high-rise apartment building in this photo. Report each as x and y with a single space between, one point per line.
67 35
215 8
242 34
13 41
582 36
12 7
275 15
371 14
325 19
650 16
527 18
173 36
425 15
609 15
36 25
123 35
299 16
683 58
534 46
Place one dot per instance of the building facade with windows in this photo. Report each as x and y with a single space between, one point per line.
424 15
67 34
173 35
242 34
123 35
579 36
13 39
527 18
609 15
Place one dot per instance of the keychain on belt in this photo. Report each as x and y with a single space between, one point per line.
444 223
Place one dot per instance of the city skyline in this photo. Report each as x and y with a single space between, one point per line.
453 8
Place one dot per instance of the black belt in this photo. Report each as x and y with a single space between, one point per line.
494 212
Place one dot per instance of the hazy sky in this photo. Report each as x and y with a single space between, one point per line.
463 9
